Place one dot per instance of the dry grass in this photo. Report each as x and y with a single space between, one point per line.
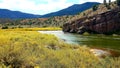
30 49
34 29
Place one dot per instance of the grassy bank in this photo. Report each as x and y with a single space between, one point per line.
34 29
30 49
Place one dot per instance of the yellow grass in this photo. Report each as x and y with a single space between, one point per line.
34 29
26 49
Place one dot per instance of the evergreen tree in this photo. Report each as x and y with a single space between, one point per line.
109 2
104 2
118 2
95 7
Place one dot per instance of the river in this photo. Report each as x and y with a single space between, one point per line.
93 41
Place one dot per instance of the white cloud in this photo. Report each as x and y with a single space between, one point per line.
30 6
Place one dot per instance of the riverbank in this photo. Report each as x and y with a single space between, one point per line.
34 29
98 51
96 41
32 49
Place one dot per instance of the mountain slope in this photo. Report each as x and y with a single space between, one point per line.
5 13
72 10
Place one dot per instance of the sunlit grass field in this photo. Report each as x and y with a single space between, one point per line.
30 49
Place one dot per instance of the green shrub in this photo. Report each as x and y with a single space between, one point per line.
4 27
108 6
86 33
95 7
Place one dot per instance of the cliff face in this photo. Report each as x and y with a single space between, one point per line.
103 23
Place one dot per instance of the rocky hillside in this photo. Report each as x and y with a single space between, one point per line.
104 21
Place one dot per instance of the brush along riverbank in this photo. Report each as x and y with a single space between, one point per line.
29 49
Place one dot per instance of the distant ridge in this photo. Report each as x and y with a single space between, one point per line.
72 10
5 13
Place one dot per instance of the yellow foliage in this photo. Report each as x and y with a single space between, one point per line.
25 49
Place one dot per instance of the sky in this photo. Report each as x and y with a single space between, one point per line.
40 6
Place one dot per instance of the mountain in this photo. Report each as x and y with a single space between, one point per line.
5 13
72 10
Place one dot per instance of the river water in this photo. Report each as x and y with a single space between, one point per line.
93 41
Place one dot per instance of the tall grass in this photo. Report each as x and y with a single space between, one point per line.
30 49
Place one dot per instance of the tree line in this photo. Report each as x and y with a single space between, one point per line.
107 4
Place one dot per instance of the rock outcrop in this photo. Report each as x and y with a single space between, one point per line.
103 23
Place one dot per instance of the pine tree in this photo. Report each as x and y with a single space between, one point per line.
104 2
118 2
109 2
95 7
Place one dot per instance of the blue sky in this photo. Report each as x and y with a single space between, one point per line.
40 6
